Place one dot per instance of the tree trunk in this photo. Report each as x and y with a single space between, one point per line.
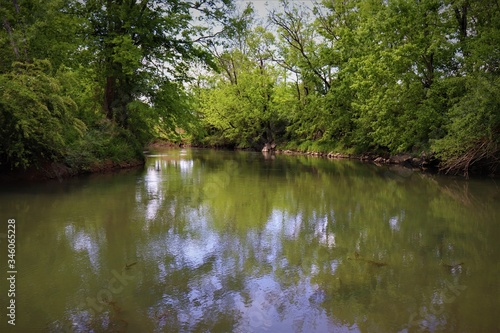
109 95
7 27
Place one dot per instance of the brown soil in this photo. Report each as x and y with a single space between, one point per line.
53 170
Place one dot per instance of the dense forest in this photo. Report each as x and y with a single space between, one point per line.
82 82
86 81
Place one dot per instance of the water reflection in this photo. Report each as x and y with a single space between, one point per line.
82 243
232 242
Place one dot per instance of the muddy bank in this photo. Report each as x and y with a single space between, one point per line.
426 163
165 144
55 170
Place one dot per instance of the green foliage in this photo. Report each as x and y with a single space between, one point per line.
105 141
395 76
143 51
127 61
36 119
240 108
473 129
386 76
39 30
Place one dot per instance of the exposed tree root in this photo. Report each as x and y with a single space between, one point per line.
483 156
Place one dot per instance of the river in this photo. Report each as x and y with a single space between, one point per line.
217 241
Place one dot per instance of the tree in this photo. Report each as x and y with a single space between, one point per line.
238 107
472 139
143 49
38 117
36 120
300 55
130 57
39 30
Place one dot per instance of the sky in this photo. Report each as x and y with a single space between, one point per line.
262 7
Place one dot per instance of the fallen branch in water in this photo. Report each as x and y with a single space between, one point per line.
485 153
372 262
127 266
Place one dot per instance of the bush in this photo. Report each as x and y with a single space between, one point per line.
473 130
106 141
36 119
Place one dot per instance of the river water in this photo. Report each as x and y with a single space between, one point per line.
215 241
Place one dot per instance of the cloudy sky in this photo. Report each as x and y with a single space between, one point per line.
263 6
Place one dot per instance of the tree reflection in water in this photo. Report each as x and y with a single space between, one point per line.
234 242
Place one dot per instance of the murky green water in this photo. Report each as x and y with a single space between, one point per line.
210 241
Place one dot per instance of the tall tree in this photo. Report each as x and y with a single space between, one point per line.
300 53
238 107
144 48
37 116
472 138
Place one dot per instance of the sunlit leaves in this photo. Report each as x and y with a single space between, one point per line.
36 119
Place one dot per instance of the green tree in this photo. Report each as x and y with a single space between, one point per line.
312 53
472 137
367 76
237 106
37 120
240 111
143 51
39 30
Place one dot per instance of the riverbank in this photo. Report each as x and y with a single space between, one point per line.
406 160
60 171
423 162
482 165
